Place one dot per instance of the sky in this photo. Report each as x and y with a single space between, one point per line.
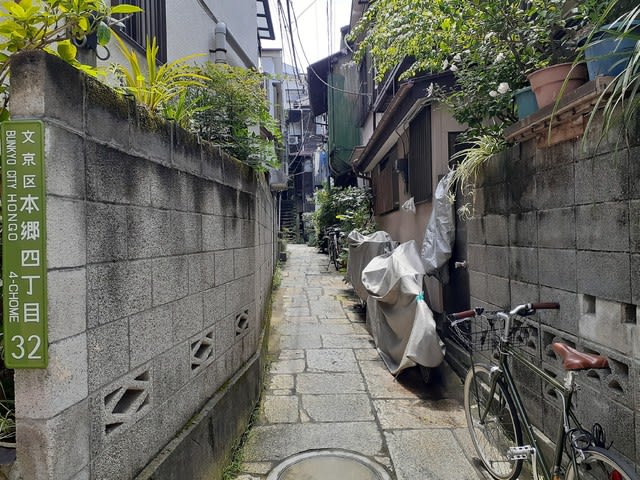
318 28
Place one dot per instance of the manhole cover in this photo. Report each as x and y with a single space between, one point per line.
328 465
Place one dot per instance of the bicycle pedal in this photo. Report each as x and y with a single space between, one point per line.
520 453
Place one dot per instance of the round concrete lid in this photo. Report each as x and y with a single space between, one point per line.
328 465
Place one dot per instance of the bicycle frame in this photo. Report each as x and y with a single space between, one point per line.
565 390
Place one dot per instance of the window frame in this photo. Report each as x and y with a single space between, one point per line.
421 157
151 22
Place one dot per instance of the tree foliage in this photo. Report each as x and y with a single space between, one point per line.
231 107
350 208
490 45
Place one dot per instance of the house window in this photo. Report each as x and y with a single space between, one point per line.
385 187
420 157
147 24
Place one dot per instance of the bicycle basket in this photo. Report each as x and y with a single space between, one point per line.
483 332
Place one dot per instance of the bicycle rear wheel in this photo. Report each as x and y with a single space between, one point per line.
601 464
336 253
500 429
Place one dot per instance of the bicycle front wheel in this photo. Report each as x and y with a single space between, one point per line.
492 422
601 464
336 253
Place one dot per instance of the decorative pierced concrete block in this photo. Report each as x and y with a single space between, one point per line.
202 351
242 323
127 402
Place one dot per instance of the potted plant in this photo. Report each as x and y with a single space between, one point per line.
609 49
619 101
526 103
556 72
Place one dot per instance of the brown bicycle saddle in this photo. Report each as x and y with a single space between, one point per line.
572 359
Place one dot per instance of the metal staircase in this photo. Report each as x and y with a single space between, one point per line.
289 221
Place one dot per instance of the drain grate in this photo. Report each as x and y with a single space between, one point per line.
328 465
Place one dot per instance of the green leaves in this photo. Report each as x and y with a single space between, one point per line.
67 50
350 207
51 25
125 9
103 33
230 103
155 86
485 43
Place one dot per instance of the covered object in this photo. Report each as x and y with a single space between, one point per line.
401 323
440 233
363 248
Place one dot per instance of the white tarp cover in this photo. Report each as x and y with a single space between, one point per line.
440 233
401 323
362 248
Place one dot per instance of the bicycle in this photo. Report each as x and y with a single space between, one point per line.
333 238
496 415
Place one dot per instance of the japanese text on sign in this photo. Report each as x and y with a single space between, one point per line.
24 269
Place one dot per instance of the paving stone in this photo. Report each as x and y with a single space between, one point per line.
314 328
430 454
331 360
381 384
280 382
280 409
288 366
367 354
327 383
334 321
418 413
346 341
297 311
291 354
338 408
277 442
300 341
257 468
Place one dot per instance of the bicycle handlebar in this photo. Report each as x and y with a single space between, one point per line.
545 306
525 309
465 314
530 308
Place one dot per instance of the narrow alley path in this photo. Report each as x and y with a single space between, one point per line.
328 388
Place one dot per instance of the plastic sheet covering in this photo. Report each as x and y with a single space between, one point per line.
401 323
440 233
362 248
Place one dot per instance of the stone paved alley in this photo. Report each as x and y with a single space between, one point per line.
328 388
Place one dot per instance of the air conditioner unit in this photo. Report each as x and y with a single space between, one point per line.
293 140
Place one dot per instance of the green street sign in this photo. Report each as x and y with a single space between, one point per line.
24 256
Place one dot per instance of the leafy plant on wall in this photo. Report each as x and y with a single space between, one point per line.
51 25
222 104
620 100
232 111
157 87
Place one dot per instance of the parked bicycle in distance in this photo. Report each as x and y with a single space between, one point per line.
497 418
333 238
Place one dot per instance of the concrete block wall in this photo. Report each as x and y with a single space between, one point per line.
563 224
160 259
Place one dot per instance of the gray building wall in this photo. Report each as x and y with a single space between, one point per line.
191 25
160 260
563 224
